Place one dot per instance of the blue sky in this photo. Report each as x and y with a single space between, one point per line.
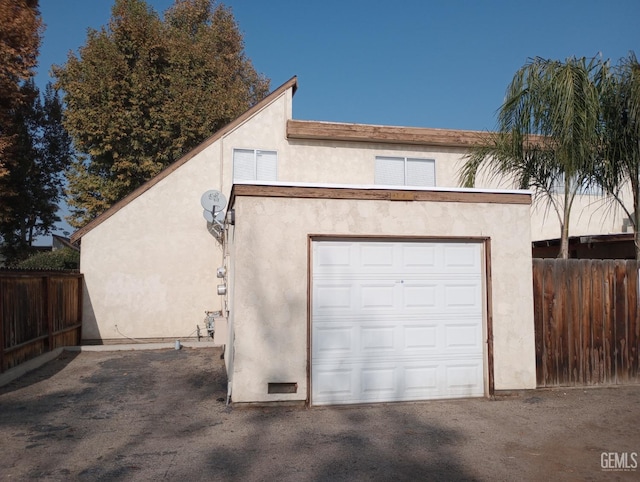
443 64
424 63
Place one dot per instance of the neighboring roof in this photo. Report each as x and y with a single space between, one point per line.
591 239
65 242
291 83
598 246
378 192
334 131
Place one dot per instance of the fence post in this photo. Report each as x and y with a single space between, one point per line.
1 330
48 311
80 296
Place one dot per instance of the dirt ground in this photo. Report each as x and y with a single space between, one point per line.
161 415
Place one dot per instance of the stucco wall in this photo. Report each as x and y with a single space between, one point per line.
354 163
264 131
149 269
271 238
589 215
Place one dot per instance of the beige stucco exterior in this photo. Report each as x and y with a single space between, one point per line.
270 264
150 268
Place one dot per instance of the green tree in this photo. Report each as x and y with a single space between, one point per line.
20 30
144 90
548 135
60 259
41 153
620 167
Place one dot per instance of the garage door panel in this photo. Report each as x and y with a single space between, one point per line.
396 321
418 337
332 384
375 256
377 296
334 341
419 296
461 257
393 382
463 336
330 257
378 382
463 379
462 296
421 380
418 257
332 296
377 339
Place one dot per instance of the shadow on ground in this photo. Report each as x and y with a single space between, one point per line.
46 371
161 415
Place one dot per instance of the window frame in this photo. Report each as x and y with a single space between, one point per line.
406 161
557 187
255 153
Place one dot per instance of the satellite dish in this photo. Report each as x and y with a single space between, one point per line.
208 215
213 201
220 216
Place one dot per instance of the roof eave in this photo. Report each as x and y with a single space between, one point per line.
335 131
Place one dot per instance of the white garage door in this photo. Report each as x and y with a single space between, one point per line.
396 321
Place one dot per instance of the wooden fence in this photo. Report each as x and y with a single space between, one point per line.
39 311
587 321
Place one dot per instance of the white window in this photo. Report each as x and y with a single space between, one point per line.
585 190
255 165
405 171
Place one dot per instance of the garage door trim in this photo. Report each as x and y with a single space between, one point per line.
485 280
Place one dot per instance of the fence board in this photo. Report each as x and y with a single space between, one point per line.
597 339
634 317
39 311
539 325
574 333
587 322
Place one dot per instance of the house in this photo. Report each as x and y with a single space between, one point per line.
602 246
60 242
347 265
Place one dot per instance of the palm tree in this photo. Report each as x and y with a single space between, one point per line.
547 135
620 166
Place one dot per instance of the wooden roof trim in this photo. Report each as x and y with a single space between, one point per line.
334 131
466 196
290 84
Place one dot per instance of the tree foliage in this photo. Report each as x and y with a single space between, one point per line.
60 259
620 146
144 90
548 134
34 148
41 152
20 30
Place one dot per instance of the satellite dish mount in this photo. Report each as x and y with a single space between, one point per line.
213 202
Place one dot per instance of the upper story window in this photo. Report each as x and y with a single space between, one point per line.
255 165
584 189
405 171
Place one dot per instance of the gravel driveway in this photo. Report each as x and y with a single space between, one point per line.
160 415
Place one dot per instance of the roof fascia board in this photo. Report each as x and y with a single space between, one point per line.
381 193
335 131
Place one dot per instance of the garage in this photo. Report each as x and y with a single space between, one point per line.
347 295
396 320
